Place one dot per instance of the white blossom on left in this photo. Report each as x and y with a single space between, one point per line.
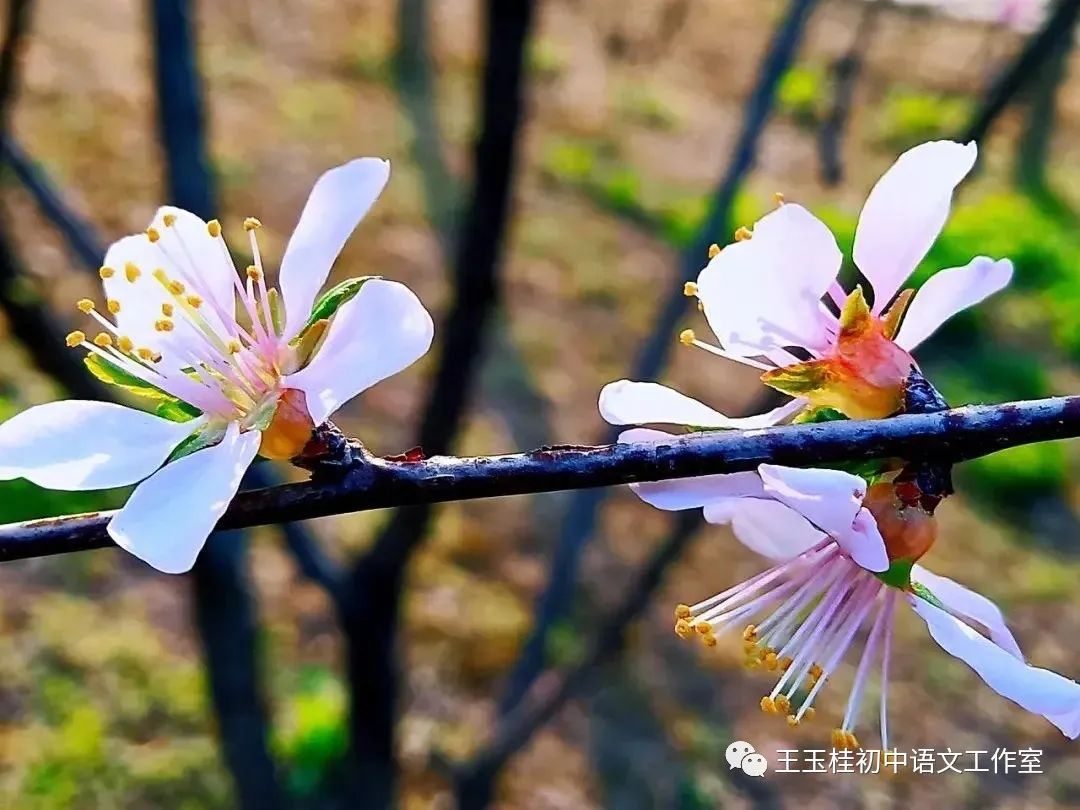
238 368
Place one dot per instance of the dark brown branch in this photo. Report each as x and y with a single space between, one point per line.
376 483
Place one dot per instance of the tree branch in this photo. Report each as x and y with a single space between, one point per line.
370 482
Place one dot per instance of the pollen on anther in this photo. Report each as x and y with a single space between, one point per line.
213 227
749 633
125 344
251 224
131 272
163 325
167 309
687 337
792 720
103 340
169 220
768 705
778 197
194 301
682 611
709 640
714 250
742 234
809 713
85 306
253 272
683 629
144 353
689 289
176 287
113 306
703 627
152 234
783 704
74 339
234 346
106 273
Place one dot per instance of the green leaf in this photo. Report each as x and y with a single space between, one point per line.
898 575
168 407
926 594
176 410
202 438
331 301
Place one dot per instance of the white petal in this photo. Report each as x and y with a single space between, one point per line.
688 493
198 256
906 211
961 601
168 517
635 403
77 444
1037 690
338 201
767 527
830 499
948 292
864 544
765 292
381 331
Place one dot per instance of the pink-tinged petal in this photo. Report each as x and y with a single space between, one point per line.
381 331
830 499
688 493
766 527
168 517
906 211
961 601
338 201
1038 690
637 403
864 544
77 445
948 292
764 293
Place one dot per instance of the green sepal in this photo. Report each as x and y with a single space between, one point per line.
926 594
898 574
799 379
812 416
206 436
168 407
261 417
855 316
331 301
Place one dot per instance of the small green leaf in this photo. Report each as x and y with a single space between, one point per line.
168 407
926 594
204 437
176 411
898 575
331 301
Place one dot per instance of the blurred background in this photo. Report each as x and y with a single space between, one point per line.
649 128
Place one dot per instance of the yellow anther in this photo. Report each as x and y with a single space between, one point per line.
771 661
169 220
852 741
234 346
113 306
144 354
752 663
163 325
703 627
767 705
750 647
792 720
175 287
682 611
816 671
86 306
742 234
106 272
253 272
809 713
783 703
714 250
687 337
131 272
785 662
152 234
749 633
683 629
213 227
251 224
74 339
125 344
194 301
103 340
689 289
709 640
167 309
778 197
836 738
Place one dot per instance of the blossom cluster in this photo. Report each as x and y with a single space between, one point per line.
236 367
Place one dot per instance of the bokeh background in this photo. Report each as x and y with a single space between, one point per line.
632 112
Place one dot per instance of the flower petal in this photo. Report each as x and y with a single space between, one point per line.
198 257
381 331
767 527
949 291
634 403
765 292
864 544
78 444
830 499
688 493
961 601
338 201
1038 690
906 211
168 517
